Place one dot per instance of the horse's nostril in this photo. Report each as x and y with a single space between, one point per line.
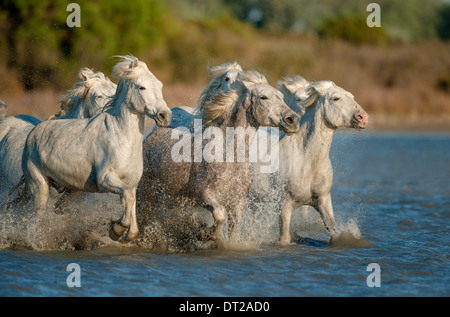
289 120
161 116
362 117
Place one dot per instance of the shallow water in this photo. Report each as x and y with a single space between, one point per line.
391 197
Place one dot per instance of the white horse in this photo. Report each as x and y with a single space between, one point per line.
86 98
101 154
220 186
305 173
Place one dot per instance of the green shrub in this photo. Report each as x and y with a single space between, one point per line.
353 29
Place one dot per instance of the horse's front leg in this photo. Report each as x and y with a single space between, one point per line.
288 205
218 211
325 207
112 184
129 218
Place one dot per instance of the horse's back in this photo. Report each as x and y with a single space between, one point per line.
13 134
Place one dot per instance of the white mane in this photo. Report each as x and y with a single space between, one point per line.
130 68
222 103
290 85
87 83
216 74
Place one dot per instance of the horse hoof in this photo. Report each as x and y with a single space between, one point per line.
285 241
118 228
116 231
113 235
131 236
213 237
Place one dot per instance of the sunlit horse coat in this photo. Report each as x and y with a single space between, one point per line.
101 154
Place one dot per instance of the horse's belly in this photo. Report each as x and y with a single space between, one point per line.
71 177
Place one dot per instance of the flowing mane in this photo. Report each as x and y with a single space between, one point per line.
210 91
292 84
222 104
314 91
87 83
130 68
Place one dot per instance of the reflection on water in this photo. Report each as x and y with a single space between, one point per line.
392 203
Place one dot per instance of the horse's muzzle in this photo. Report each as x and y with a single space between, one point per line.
163 118
290 124
360 120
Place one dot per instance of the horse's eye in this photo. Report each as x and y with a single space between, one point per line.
227 78
336 99
99 97
142 88
264 97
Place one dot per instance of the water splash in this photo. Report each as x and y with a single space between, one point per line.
170 228
84 227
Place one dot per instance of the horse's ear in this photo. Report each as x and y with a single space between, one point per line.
135 63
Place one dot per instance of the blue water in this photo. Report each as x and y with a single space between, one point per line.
390 188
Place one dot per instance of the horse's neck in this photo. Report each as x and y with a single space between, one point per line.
131 122
314 137
238 119
75 111
236 137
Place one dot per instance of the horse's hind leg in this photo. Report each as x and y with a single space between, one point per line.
39 188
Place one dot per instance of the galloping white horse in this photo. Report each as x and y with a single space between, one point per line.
101 154
85 99
220 186
223 79
305 174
